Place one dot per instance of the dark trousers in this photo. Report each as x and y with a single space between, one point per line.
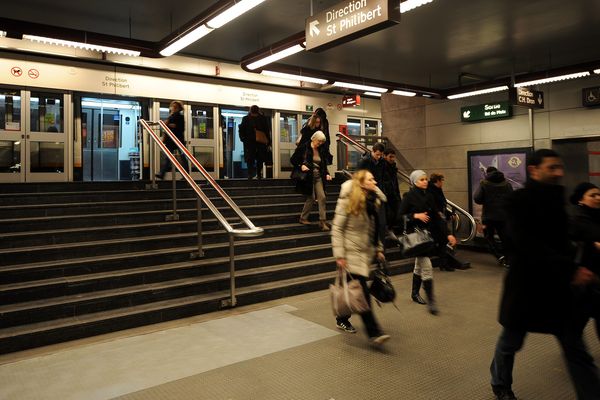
580 364
255 156
491 228
371 325
167 165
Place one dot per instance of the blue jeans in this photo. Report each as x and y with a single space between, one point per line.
580 363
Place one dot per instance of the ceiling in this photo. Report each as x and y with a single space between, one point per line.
431 47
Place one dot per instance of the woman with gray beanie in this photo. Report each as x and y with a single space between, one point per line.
310 159
419 211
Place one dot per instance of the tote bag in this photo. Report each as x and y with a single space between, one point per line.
347 298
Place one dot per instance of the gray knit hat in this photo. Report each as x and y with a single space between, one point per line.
415 175
318 135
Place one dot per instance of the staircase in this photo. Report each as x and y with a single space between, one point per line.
83 259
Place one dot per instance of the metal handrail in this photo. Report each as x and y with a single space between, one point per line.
451 206
251 230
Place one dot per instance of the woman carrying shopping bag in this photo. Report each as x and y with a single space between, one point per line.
356 243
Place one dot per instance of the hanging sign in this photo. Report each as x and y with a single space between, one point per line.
525 97
483 112
351 101
349 20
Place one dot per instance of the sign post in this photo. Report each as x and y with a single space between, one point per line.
349 20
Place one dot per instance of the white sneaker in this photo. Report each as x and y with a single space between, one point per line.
380 340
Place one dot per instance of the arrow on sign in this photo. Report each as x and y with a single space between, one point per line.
540 99
314 31
467 114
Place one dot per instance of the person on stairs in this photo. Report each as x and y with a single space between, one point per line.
419 211
356 243
311 159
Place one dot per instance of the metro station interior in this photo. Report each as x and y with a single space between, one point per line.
119 283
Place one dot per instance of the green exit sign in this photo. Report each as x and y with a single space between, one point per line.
483 112
309 108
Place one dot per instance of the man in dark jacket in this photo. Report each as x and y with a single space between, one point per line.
391 188
537 293
254 131
374 162
491 194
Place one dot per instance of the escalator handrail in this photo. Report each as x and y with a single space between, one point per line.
451 206
251 231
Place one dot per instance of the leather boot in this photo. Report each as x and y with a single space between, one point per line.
324 226
428 286
416 286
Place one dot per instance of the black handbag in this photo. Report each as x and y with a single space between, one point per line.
299 175
415 244
381 287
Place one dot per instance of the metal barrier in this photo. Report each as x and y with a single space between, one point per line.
250 231
451 206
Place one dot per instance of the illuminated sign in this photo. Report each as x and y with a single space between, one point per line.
483 112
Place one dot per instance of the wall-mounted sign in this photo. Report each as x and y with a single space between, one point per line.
591 96
351 101
309 108
349 20
482 112
526 97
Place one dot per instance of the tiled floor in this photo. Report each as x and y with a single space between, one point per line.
290 349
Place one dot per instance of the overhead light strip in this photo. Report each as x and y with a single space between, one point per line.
412 4
360 87
294 77
80 45
276 56
403 93
186 40
477 92
597 71
375 94
553 79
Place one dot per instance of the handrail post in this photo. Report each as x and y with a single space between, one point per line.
151 157
200 252
174 216
232 271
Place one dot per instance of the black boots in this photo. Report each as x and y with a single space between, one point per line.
416 286
428 286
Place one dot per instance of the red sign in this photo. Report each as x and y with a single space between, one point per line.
351 101
16 71
33 73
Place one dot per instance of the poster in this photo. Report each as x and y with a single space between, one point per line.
511 162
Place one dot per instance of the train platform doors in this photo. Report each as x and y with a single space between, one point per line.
34 131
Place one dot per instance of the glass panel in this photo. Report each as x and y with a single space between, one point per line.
163 111
202 122
305 118
10 110
288 127
353 127
46 112
205 156
284 157
47 157
10 156
371 127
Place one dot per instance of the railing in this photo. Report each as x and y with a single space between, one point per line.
250 231
452 207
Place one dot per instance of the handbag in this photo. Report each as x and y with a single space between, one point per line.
381 287
347 297
299 175
415 244
261 137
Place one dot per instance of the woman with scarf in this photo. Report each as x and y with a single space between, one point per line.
419 210
356 243
584 229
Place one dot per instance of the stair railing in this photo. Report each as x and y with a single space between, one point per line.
451 206
249 231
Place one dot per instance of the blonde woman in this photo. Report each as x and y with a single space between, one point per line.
356 243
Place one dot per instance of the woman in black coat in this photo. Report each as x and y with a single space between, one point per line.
584 229
419 211
311 159
317 122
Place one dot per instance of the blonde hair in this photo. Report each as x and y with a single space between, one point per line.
357 201
177 103
312 121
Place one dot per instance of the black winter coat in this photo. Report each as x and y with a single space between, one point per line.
584 228
417 201
304 156
536 295
306 133
439 198
179 129
247 129
375 167
491 194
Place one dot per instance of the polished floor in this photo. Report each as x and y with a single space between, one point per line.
290 349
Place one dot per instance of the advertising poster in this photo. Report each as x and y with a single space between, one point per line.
511 162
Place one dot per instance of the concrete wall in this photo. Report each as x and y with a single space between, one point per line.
431 136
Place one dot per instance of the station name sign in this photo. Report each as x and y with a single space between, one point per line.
483 112
525 97
349 20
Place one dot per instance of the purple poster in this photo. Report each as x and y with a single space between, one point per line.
511 162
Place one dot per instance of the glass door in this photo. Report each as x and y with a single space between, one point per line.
234 165
201 133
12 136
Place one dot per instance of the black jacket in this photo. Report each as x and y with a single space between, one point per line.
179 129
248 126
389 183
375 167
306 133
304 156
584 228
417 201
536 295
439 198
491 194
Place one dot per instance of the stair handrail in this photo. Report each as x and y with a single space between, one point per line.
451 206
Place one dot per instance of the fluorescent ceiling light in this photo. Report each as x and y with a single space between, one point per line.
553 79
295 77
186 40
373 94
360 87
412 4
403 93
79 45
476 92
597 71
232 13
120 106
274 57
2 33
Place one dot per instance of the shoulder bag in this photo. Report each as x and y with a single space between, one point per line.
415 244
261 137
347 298
381 287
